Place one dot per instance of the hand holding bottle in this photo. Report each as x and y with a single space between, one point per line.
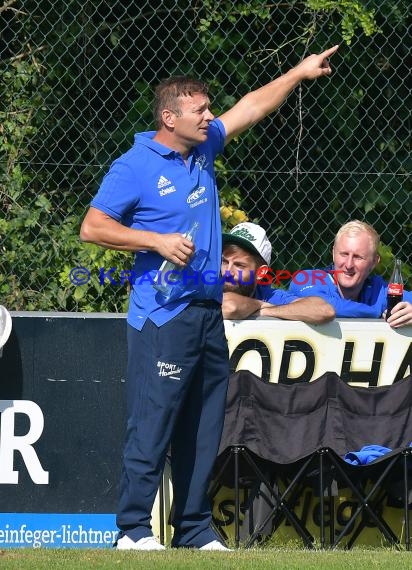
176 248
399 311
169 272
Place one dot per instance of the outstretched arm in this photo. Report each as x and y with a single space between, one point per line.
257 104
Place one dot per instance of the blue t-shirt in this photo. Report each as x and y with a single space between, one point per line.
151 188
274 296
372 298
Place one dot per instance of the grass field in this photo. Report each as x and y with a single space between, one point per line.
254 559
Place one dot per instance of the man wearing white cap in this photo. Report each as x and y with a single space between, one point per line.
245 266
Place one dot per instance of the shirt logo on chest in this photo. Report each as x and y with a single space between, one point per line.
195 195
165 186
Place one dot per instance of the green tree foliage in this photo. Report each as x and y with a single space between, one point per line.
344 150
77 81
353 15
40 227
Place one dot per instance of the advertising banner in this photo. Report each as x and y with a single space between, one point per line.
62 411
363 352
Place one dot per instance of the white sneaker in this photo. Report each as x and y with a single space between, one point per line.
145 543
215 545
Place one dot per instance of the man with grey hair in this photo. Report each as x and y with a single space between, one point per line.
353 290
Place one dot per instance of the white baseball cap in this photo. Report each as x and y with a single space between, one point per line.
251 237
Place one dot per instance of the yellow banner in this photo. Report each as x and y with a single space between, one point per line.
366 352
307 510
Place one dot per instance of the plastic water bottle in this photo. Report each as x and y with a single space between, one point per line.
169 274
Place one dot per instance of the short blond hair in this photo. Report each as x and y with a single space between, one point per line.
356 227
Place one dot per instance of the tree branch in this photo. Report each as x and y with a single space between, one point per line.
7 5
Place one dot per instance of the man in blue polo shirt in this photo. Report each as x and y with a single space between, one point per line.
246 260
178 358
349 285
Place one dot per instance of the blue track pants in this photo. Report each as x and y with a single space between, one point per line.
176 395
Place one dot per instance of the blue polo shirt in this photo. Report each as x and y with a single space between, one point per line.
274 296
151 188
372 298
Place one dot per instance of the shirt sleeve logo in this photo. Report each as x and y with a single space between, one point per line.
201 162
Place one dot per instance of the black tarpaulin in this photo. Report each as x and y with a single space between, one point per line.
283 423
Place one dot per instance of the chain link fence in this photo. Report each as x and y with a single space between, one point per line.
77 82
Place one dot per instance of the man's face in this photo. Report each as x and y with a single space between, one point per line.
355 258
239 269
191 122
